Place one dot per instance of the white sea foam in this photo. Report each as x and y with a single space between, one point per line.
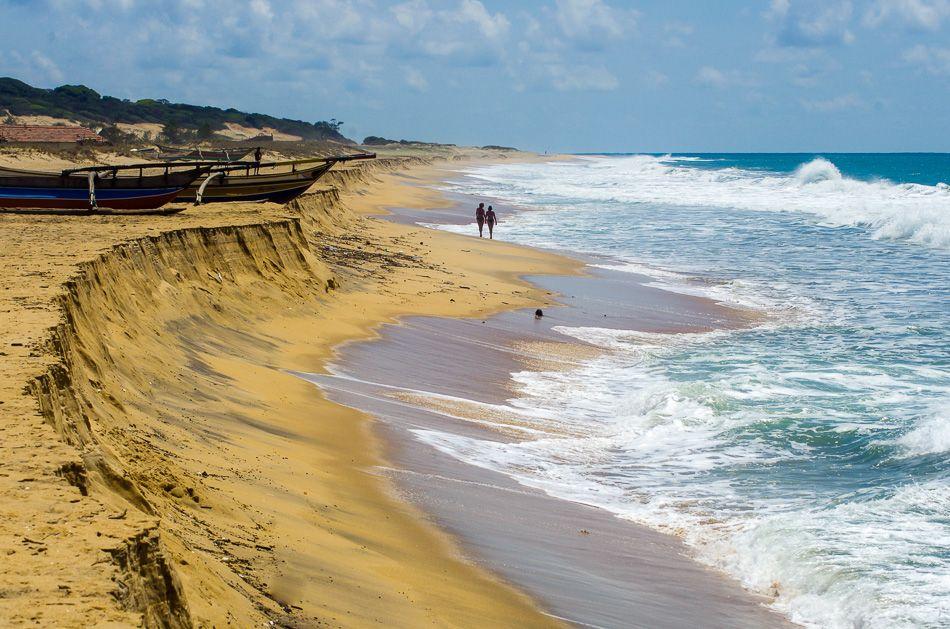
841 567
913 212
736 292
779 454
648 447
817 170
852 565
932 435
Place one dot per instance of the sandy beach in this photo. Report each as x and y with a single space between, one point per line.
162 465
167 466
582 564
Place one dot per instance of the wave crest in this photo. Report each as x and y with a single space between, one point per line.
909 212
817 170
930 437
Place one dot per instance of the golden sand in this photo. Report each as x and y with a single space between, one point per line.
161 464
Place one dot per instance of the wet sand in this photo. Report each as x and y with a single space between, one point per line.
583 564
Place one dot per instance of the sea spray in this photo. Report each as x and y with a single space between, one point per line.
817 170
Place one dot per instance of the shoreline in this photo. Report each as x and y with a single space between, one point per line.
155 438
157 434
590 568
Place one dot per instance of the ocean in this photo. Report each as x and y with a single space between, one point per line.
807 456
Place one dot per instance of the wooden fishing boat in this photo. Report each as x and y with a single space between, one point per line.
275 182
93 188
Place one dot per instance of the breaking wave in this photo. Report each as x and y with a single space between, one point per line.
931 436
818 169
894 211
806 456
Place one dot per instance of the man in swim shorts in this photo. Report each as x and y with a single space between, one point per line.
491 219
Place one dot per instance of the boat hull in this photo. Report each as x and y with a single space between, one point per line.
273 188
20 189
73 199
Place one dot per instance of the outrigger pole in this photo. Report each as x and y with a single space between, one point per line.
166 166
223 166
92 172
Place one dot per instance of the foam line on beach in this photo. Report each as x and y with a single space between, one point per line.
495 416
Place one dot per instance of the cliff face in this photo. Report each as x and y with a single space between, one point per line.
119 394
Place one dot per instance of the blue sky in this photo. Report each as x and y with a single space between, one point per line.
565 75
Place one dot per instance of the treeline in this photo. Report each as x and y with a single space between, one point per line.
375 140
78 102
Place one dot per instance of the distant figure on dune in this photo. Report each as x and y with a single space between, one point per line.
480 218
491 219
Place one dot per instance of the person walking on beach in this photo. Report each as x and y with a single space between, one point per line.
480 218
491 219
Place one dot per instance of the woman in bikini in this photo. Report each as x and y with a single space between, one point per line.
480 218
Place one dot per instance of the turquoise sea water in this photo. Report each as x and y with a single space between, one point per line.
809 456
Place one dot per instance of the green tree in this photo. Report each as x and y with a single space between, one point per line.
172 131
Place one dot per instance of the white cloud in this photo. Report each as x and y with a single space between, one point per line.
838 103
919 14
123 5
466 33
35 67
773 53
416 80
582 78
262 10
933 59
711 76
493 28
676 33
592 24
656 78
47 66
805 76
564 47
778 8
412 16
811 23
315 46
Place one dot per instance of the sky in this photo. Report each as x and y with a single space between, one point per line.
554 75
